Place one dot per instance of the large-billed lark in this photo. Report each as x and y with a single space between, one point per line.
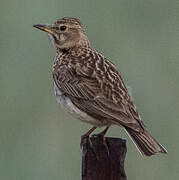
90 87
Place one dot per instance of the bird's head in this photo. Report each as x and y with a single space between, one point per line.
66 33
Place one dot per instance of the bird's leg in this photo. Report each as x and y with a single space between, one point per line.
101 135
85 138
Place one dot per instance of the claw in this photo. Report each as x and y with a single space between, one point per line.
85 137
86 141
105 145
101 135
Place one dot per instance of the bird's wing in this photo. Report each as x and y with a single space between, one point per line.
96 87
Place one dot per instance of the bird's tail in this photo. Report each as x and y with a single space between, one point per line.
145 143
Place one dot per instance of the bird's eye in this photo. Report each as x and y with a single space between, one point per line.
63 28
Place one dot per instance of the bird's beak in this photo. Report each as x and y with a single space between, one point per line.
45 28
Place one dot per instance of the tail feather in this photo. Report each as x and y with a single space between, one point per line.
145 143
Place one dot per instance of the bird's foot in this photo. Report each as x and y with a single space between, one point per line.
101 135
86 141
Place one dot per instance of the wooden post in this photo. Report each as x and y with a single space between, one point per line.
104 165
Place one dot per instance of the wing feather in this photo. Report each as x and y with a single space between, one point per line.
99 91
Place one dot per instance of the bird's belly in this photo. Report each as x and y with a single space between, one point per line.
66 104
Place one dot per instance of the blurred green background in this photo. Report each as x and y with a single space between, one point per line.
38 141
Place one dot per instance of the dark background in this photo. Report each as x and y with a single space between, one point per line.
38 140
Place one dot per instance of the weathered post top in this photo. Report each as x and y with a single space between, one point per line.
99 164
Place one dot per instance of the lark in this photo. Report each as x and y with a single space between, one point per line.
90 87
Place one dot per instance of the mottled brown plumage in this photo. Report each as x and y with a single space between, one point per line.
90 86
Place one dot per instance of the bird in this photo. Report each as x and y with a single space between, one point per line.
91 88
